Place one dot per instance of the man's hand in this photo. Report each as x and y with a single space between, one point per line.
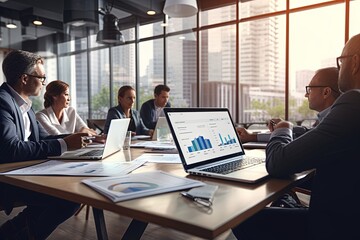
75 141
245 136
283 124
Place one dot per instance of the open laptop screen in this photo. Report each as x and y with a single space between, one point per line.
203 135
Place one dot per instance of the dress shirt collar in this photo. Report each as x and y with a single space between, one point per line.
321 115
22 103
53 118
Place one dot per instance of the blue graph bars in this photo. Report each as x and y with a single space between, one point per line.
226 141
199 143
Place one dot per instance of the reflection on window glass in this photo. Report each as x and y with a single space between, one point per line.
218 15
317 50
261 69
151 68
123 68
258 7
218 64
181 70
99 83
74 72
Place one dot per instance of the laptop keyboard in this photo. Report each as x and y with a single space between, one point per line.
233 166
95 152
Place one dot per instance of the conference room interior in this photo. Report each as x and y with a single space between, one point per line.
254 57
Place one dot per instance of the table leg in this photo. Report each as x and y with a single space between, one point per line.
100 224
135 230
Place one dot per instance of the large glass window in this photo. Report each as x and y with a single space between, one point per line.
218 15
73 70
179 24
99 83
259 7
181 70
123 58
316 39
262 69
151 68
218 68
354 27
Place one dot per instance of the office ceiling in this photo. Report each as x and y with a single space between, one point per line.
52 12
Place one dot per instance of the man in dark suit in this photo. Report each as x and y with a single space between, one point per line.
152 109
23 139
332 148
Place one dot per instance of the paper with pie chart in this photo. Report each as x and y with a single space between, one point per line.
137 185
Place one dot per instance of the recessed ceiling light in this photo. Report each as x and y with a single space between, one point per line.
37 22
151 12
11 25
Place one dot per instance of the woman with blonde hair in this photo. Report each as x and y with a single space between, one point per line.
58 117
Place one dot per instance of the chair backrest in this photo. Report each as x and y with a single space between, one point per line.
96 124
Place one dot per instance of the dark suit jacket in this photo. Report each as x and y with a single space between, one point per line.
332 148
147 113
13 147
117 112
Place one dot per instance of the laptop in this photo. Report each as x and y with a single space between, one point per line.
163 126
209 145
114 143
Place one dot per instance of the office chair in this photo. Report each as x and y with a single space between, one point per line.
96 124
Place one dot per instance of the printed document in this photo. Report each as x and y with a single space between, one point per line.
76 168
136 185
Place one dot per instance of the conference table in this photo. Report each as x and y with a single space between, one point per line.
233 203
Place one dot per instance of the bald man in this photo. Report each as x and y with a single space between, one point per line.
321 93
332 148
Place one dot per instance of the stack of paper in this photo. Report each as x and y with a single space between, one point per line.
138 185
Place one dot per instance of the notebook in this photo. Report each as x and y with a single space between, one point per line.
209 145
114 143
163 126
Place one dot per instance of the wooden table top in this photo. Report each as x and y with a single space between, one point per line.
233 202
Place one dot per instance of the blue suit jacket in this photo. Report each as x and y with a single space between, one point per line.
12 132
117 112
13 147
147 113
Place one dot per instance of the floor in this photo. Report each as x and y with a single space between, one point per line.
77 228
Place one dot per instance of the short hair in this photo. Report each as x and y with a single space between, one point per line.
54 88
161 87
124 89
18 62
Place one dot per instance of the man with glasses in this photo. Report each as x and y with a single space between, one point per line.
332 149
321 93
23 139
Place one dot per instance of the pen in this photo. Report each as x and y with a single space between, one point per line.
204 202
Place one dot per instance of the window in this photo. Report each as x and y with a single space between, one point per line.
312 49
218 64
151 68
181 70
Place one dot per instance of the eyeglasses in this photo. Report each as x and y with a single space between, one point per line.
42 79
308 88
339 60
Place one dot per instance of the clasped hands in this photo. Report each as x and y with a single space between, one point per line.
272 124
